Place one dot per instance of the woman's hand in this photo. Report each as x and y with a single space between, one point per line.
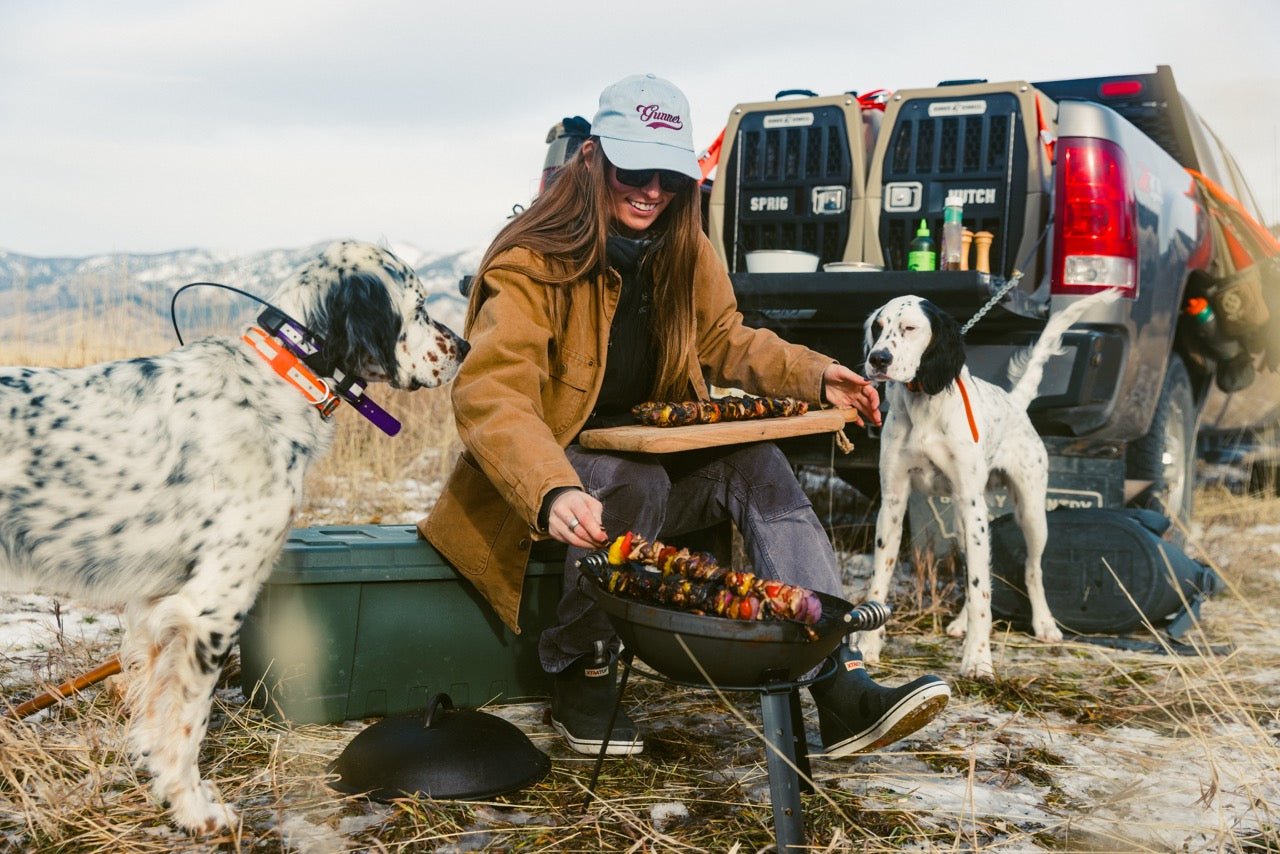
574 519
848 390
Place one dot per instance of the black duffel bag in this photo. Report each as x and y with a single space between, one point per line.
1104 571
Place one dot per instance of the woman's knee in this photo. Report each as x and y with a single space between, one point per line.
764 463
765 480
763 458
630 488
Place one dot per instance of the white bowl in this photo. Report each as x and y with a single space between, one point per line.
781 261
851 267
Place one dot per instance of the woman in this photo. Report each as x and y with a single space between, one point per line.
603 294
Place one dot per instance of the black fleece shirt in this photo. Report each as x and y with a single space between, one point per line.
632 360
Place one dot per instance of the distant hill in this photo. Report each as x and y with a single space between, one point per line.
41 298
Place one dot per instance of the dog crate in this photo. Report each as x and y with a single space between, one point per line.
369 620
982 141
792 175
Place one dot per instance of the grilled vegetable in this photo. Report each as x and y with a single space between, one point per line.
619 549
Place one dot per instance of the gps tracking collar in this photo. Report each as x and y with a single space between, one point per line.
292 370
306 347
296 360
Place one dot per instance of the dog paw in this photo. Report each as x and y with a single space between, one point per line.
200 810
977 668
1049 633
956 628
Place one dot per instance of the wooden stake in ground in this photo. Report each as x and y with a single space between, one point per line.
110 667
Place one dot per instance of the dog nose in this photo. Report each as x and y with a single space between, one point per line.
446 334
880 359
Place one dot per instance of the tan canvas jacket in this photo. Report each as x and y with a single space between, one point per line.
516 409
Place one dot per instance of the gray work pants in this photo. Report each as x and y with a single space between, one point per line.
666 495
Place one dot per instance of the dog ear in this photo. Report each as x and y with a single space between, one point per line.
942 360
359 324
869 333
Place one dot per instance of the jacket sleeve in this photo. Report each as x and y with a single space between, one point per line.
739 356
497 402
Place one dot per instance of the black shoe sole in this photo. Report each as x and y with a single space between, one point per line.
907 715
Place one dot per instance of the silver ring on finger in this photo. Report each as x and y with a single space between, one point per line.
574 523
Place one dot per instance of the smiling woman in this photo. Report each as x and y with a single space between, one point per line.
606 293
640 196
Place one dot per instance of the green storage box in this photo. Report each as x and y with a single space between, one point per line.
369 620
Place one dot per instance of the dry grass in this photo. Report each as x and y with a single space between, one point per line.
1074 748
372 479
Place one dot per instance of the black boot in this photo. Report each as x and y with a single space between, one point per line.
856 714
582 698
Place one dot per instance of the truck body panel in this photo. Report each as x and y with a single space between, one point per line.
1170 227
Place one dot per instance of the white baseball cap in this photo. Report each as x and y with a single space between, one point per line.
643 123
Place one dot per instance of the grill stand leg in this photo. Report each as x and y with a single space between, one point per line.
625 661
786 755
780 714
801 743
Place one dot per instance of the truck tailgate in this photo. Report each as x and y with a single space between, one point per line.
847 298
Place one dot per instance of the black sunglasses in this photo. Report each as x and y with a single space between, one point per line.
670 182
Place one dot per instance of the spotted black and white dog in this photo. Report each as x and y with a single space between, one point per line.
950 433
166 485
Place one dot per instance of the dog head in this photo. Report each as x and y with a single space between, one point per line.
910 339
371 310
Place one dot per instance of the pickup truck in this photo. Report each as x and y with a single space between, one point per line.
1083 185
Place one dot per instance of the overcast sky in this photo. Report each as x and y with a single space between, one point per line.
148 125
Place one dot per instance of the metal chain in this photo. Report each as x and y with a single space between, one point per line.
1009 285
991 303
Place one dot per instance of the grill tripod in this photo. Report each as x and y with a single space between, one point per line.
786 747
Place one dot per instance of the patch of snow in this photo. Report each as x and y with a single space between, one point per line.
666 814
302 835
31 622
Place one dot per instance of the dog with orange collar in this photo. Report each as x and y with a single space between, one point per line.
949 433
165 485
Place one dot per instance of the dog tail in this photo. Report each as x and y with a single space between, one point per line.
1026 368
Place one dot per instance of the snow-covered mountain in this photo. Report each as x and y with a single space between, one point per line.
42 293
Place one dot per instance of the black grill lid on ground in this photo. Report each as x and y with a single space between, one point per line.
445 754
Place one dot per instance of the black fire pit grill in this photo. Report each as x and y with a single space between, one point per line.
771 657
732 653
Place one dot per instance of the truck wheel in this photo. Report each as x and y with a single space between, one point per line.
1166 455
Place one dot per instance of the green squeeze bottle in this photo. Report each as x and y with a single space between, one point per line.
921 255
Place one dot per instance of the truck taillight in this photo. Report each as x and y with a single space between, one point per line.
1096 239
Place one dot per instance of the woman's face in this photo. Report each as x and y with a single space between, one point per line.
636 209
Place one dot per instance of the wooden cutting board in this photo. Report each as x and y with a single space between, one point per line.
665 440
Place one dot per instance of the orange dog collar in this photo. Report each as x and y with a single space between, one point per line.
292 370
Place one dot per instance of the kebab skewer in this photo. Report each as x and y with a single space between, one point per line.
696 582
716 410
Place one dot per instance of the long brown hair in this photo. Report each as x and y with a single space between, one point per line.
567 225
